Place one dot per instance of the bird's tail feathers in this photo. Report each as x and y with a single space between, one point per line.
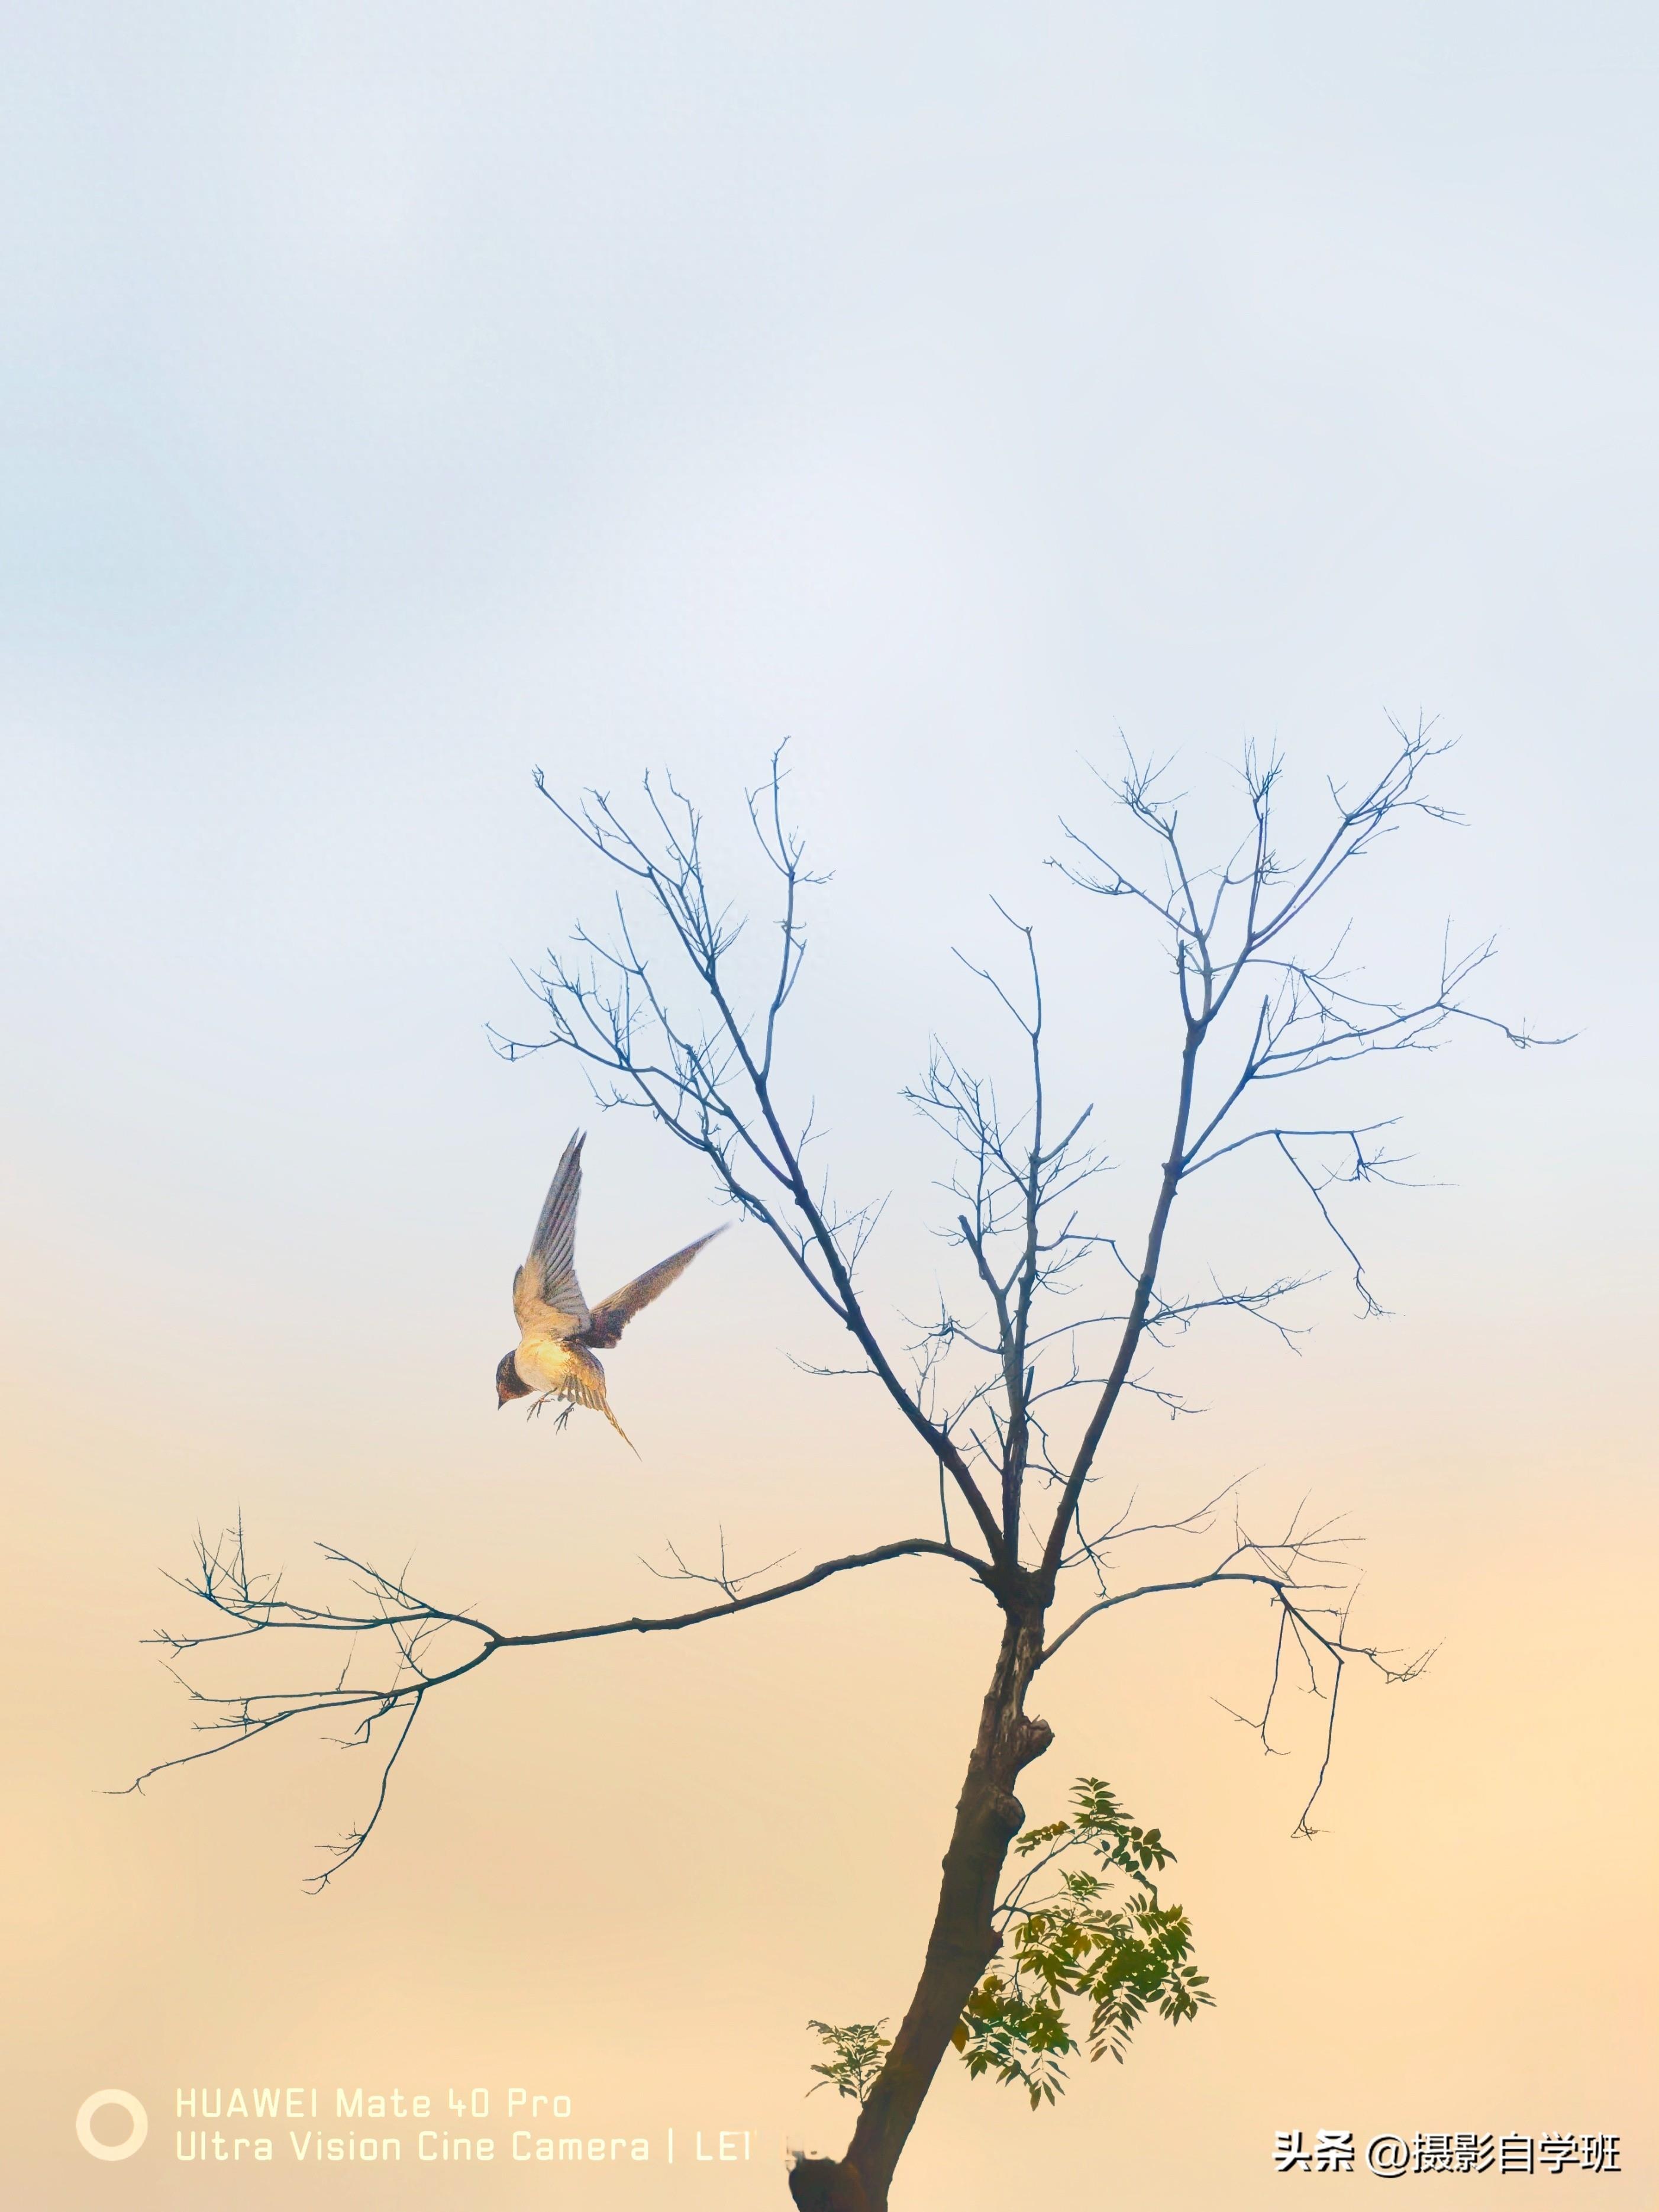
604 1407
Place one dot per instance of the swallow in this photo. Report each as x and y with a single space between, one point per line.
558 1333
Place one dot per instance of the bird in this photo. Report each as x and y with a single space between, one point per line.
558 1332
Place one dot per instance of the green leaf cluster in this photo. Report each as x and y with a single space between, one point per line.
859 2051
1102 1939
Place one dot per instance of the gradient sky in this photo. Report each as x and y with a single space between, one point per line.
397 398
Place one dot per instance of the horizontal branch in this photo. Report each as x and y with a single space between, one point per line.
908 1547
1303 1625
1277 1583
225 1585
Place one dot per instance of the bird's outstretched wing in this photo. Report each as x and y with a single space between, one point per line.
612 1314
546 1296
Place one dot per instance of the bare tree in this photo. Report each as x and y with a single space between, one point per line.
652 1008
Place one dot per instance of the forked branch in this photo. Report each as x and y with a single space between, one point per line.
405 1629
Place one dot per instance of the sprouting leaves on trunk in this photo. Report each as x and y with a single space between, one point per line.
858 2049
1103 1938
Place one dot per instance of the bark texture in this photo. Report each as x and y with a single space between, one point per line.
826 2184
963 1941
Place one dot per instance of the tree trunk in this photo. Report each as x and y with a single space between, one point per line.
963 1941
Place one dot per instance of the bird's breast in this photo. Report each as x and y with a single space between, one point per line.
543 1362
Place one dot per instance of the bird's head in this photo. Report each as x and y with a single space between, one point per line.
507 1382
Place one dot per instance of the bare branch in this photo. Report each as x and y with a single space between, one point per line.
709 1083
257 1606
732 1584
1317 1631
1239 919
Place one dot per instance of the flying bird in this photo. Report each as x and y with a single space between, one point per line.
558 1333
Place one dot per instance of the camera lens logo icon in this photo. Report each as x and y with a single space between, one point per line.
127 2103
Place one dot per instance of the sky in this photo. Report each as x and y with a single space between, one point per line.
397 401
